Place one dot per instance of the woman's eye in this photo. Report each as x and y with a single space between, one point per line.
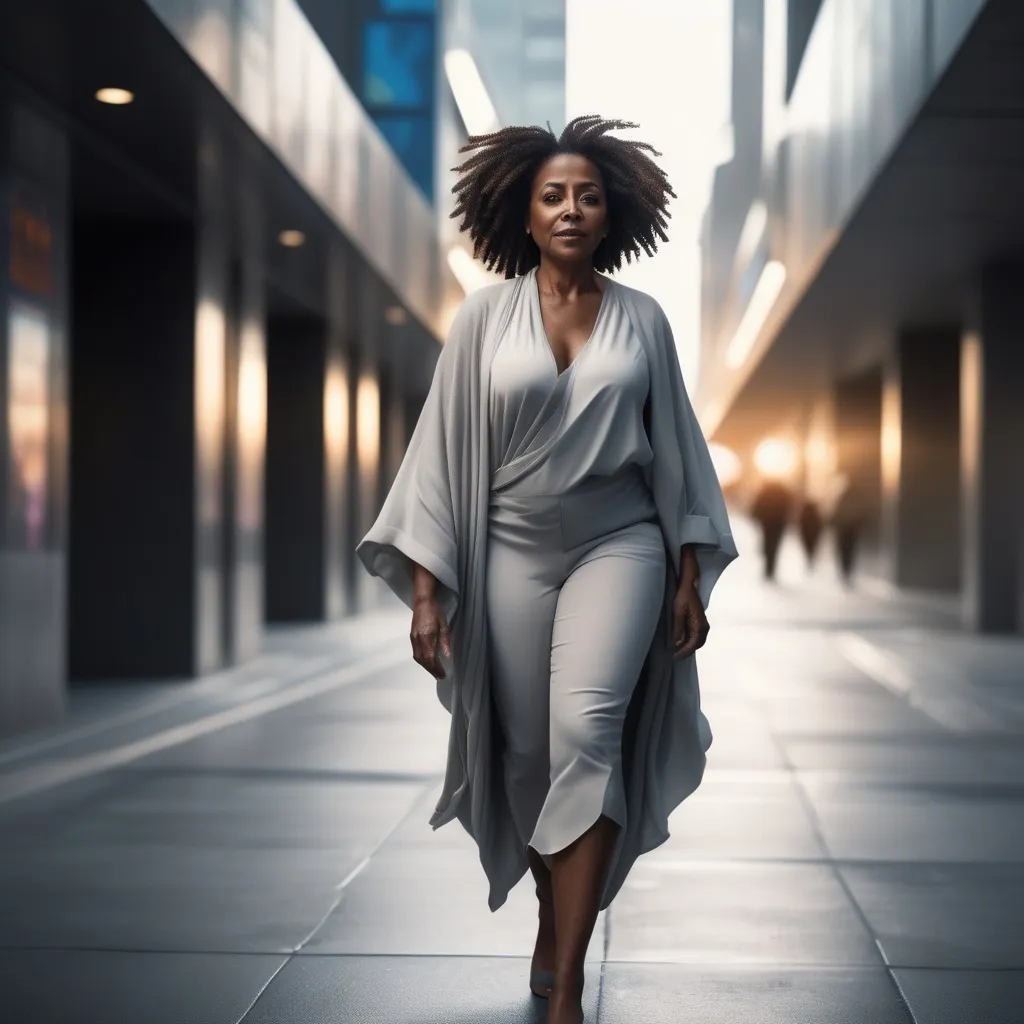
552 195
589 199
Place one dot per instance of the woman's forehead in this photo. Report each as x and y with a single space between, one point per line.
568 169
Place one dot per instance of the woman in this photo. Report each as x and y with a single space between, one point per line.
556 527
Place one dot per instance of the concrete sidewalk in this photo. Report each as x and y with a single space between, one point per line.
255 846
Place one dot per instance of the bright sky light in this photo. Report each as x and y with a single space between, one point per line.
665 65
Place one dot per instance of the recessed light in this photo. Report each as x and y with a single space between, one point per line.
395 316
115 97
291 238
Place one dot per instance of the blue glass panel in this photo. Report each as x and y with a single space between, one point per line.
412 138
407 6
399 64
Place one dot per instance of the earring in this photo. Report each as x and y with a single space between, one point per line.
527 230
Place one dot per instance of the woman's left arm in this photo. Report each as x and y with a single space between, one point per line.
690 624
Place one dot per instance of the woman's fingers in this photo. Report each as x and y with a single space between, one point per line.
424 652
695 633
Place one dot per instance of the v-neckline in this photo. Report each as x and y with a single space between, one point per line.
535 294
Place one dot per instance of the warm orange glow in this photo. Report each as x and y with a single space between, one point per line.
818 452
291 238
210 347
252 388
368 423
115 97
892 436
336 414
252 423
28 416
727 464
776 458
971 381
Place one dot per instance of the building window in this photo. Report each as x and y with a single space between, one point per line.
412 139
399 67
407 6
398 80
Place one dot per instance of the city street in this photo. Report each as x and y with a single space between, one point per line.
254 846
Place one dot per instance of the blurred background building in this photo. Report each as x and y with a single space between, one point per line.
229 263
222 306
863 297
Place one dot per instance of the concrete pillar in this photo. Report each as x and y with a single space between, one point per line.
992 383
34 220
167 418
148 404
921 460
296 489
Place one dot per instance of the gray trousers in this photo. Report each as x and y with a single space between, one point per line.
575 585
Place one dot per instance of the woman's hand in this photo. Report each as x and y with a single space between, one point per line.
429 630
690 625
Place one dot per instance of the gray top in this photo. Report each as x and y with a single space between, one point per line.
586 420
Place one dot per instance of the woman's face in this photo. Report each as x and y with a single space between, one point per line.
568 215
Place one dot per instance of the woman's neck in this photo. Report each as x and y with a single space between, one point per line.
566 280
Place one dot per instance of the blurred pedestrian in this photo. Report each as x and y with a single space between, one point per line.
557 526
811 525
772 509
848 521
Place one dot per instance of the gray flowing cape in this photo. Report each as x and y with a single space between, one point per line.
436 514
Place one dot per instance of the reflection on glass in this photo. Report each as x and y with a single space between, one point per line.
336 414
892 435
209 398
28 422
407 6
252 423
412 139
399 64
367 423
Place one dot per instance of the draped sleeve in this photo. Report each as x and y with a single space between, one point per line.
682 475
419 521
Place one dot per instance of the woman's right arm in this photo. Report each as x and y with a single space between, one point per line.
429 626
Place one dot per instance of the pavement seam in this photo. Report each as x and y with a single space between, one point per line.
819 834
340 888
903 995
191 690
364 863
48 774
263 988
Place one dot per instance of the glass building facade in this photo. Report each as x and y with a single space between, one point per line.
397 81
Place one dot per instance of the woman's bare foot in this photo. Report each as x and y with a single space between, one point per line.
565 1006
542 967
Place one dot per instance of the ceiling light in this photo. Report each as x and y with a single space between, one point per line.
291 238
766 291
115 97
478 113
776 458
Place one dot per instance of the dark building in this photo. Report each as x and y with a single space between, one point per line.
220 302
864 274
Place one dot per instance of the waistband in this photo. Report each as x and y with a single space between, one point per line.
628 487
